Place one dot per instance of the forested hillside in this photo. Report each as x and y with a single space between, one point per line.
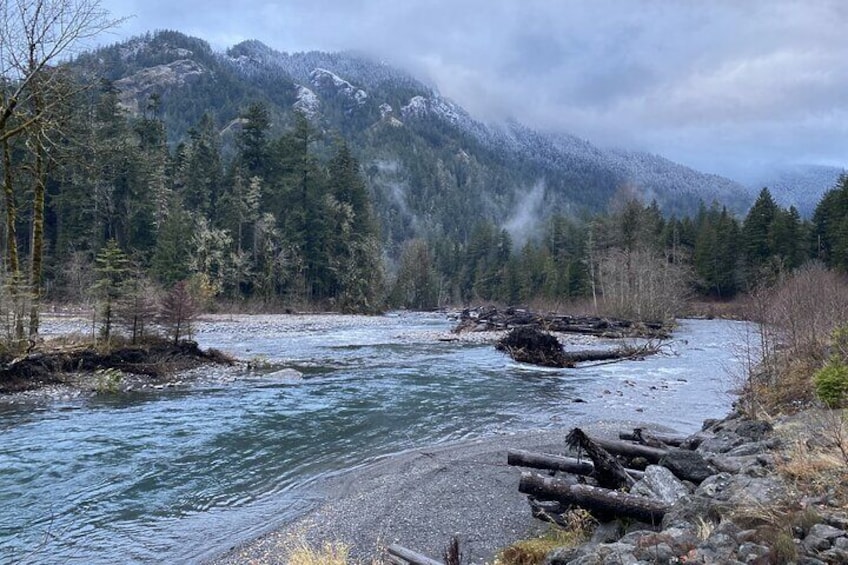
327 181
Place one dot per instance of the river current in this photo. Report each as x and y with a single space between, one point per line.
182 473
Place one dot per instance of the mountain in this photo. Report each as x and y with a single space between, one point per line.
801 186
431 167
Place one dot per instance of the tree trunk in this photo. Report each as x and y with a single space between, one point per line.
646 437
608 471
599 501
11 212
520 458
617 447
37 233
399 555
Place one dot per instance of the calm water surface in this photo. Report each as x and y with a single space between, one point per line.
180 474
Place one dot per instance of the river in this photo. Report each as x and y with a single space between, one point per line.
176 475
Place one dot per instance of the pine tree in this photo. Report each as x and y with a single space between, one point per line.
171 257
112 266
830 226
757 233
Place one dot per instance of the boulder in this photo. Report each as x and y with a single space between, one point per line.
661 484
821 537
687 465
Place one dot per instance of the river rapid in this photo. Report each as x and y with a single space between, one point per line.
182 473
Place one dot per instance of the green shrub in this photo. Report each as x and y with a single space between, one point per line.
831 382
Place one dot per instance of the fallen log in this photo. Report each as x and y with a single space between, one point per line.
644 436
491 319
399 555
604 503
608 471
521 458
619 354
617 447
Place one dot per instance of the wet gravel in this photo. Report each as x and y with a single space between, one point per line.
421 499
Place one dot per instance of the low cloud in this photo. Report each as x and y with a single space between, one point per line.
700 83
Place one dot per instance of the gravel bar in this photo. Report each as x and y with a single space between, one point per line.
420 499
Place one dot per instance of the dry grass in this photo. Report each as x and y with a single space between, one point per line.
299 551
328 554
815 456
533 551
704 528
785 383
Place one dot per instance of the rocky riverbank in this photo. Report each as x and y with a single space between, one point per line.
766 493
761 493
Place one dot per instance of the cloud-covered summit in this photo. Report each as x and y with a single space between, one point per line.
724 86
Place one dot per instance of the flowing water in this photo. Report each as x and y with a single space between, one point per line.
179 474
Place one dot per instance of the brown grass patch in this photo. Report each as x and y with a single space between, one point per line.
533 551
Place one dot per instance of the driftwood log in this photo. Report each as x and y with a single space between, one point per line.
604 503
627 449
651 439
608 471
492 319
548 462
399 555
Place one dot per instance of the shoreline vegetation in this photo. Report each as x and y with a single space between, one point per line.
769 482
766 484
104 369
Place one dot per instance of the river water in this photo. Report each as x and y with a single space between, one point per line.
180 474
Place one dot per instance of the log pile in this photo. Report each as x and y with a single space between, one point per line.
492 319
602 486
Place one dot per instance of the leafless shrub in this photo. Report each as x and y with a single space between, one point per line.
641 284
177 312
796 317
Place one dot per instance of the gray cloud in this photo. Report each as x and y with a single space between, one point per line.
721 85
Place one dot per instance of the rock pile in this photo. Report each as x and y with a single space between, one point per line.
734 507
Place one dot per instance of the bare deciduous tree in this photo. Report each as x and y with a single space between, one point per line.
641 284
34 36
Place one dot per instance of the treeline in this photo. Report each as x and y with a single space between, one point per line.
286 220
632 259
100 208
274 221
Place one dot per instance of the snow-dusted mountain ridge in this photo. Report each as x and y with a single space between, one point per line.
431 166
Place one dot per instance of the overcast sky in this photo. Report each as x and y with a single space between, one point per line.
725 86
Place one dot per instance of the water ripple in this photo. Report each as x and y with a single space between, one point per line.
142 478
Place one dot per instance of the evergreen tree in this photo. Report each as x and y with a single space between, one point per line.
830 226
757 233
171 257
112 266
716 253
252 139
417 283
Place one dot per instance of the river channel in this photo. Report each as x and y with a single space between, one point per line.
178 474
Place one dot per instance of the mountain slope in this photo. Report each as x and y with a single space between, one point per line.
431 167
801 186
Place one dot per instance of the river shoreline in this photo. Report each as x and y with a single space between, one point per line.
420 499
238 451
751 506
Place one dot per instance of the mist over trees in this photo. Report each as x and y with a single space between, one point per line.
115 209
